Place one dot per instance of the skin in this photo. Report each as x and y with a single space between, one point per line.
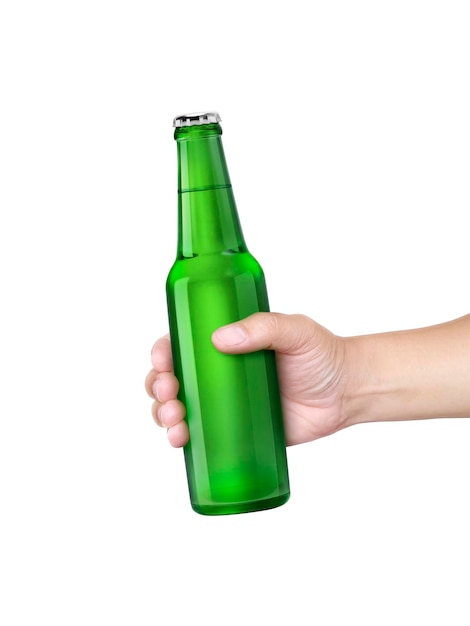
329 382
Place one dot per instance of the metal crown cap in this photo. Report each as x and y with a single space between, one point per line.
196 119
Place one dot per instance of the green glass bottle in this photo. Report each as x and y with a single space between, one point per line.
236 457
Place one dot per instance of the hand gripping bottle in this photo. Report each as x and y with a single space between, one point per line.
236 457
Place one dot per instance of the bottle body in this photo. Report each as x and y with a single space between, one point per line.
236 457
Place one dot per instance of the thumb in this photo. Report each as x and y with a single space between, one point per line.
265 331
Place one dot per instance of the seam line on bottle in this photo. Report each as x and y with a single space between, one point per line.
207 188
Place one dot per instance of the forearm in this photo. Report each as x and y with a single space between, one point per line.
414 374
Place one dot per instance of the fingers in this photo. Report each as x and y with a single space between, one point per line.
162 385
178 435
162 360
149 382
266 331
168 414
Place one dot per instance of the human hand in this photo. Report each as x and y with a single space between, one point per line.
310 364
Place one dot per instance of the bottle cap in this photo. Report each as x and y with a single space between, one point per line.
196 119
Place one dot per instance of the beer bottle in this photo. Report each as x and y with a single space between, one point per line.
236 456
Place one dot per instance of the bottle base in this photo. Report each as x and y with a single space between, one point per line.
234 508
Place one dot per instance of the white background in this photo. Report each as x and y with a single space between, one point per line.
347 134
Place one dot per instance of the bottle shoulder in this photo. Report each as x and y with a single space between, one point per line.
215 266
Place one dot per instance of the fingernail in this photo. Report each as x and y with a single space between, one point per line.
160 415
155 390
230 335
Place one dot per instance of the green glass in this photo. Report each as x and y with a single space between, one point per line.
236 457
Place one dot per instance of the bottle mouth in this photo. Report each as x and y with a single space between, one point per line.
196 119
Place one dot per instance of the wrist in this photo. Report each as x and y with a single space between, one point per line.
374 385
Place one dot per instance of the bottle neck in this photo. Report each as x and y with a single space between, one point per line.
207 215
